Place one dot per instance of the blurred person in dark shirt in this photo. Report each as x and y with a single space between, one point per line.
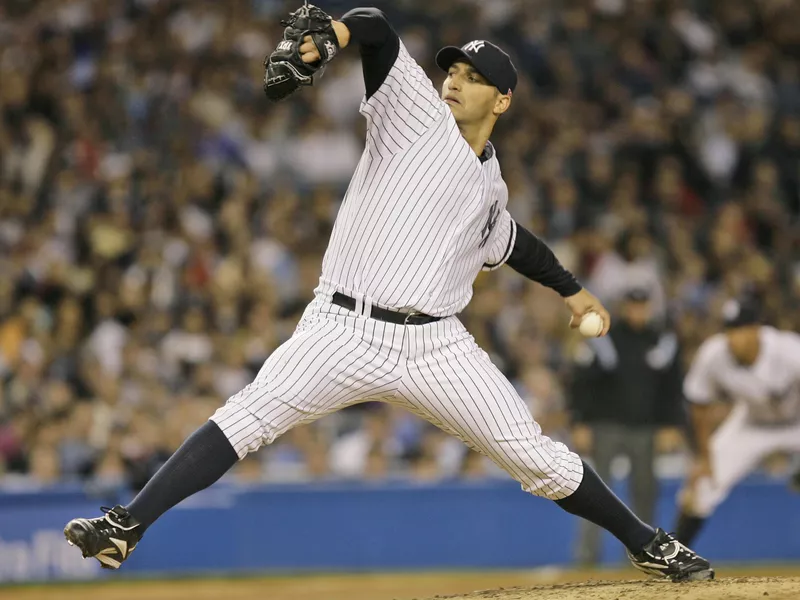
626 387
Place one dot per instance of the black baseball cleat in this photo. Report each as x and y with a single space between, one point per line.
664 556
110 538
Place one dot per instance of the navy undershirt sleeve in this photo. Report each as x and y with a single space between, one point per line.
378 41
532 258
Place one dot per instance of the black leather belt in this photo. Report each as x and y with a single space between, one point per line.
384 314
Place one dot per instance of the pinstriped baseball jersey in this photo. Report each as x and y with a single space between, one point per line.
421 217
423 214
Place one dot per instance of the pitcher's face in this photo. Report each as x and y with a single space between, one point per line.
470 96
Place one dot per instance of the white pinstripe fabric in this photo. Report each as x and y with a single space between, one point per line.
333 360
412 232
451 382
421 217
337 358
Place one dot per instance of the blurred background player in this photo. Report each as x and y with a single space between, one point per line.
756 367
625 391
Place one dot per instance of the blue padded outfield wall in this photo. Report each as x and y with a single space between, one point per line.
355 527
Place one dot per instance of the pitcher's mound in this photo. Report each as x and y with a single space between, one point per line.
729 588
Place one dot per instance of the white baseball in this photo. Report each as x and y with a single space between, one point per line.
591 324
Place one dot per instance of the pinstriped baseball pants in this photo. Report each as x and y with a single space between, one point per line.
337 358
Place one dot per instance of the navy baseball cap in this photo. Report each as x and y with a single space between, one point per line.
740 313
489 60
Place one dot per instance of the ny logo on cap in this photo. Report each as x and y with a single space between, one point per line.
474 46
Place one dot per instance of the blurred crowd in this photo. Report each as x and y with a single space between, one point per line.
162 225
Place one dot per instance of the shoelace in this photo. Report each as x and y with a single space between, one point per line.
674 540
116 519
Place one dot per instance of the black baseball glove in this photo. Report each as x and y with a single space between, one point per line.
285 69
